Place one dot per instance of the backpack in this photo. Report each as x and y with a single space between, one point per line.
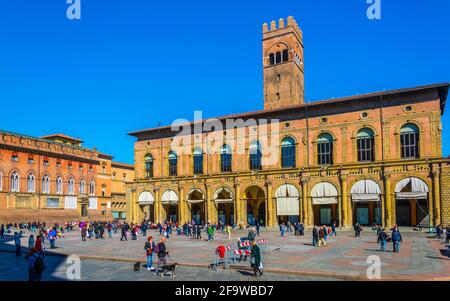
157 248
39 265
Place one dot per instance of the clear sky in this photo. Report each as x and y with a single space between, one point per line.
129 65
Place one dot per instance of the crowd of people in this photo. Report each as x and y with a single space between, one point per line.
40 233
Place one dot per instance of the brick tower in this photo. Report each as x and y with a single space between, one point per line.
283 64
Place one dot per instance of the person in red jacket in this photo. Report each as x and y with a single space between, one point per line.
38 244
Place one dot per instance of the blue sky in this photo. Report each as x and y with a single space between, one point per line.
129 65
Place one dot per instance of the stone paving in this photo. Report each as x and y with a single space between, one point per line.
15 269
421 257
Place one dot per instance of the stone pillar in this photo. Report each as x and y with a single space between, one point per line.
437 197
269 206
388 199
182 208
209 216
237 205
157 205
305 201
344 202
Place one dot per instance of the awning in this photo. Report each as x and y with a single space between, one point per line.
411 189
324 193
169 197
287 200
366 191
198 193
223 195
146 198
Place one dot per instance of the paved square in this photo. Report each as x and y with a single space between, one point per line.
422 257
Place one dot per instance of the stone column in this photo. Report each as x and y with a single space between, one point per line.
237 205
436 197
269 205
388 199
344 202
157 205
305 201
182 207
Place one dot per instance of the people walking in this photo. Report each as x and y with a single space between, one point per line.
17 243
382 239
162 252
333 230
35 265
322 241
315 236
358 230
149 249
396 239
255 260
124 233
31 242
257 228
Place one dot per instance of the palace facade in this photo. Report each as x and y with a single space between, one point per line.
55 179
374 158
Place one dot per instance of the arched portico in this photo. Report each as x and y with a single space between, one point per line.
255 197
412 202
224 201
197 206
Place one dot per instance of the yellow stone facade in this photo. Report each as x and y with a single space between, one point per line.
242 195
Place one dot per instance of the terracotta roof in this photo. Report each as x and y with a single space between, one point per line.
122 165
442 88
62 136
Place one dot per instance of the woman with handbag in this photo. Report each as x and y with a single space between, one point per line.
255 260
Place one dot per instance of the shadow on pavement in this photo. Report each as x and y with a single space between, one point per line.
19 265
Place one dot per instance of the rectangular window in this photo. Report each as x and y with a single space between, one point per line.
149 169
172 167
409 145
325 153
226 162
365 149
52 203
198 164
255 161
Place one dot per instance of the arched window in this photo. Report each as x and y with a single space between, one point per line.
172 163
255 155
59 185
409 141
71 186
92 188
278 58
31 183
15 182
365 145
198 161
325 149
15 185
271 59
45 184
46 161
288 153
149 166
225 158
285 55
82 187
